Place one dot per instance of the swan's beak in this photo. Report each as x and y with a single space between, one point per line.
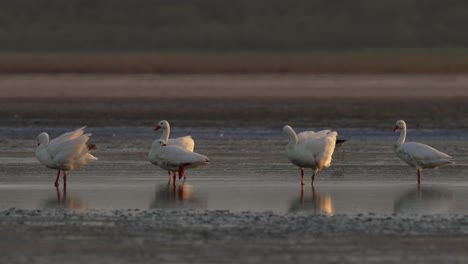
157 128
164 145
395 129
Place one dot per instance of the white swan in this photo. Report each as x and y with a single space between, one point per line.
174 158
310 149
184 142
418 155
66 152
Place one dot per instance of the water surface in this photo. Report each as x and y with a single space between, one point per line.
248 171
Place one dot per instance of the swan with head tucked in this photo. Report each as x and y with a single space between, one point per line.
66 152
175 158
184 142
310 149
418 155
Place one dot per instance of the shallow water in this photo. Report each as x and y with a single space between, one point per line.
248 171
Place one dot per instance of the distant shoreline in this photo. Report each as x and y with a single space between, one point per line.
404 61
327 100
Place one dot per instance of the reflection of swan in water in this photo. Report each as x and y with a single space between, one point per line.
64 201
173 196
427 200
318 204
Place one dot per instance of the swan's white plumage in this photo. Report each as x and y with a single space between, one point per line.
306 135
185 142
310 149
422 156
173 157
66 152
418 155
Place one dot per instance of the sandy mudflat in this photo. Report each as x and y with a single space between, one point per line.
175 236
257 86
227 100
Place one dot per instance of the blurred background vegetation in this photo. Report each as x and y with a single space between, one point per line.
431 28
240 25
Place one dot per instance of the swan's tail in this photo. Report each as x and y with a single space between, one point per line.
340 142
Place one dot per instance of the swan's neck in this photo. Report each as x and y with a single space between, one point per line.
402 138
166 133
44 141
292 137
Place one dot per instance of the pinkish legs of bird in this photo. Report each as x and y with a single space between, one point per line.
174 176
57 179
419 177
182 173
57 187
302 176
56 184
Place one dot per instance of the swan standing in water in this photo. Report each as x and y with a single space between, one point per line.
310 149
65 153
418 155
175 158
186 142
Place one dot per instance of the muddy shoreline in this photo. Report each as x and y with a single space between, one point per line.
174 236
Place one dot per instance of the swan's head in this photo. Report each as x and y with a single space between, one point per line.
159 143
42 139
162 124
400 124
287 129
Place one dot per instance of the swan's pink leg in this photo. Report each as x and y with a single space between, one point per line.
58 194
57 179
302 176
64 185
302 194
182 173
419 177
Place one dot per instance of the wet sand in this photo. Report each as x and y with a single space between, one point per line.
186 236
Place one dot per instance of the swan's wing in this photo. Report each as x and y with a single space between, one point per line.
54 145
65 152
424 154
329 143
323 133
322 149
186 142
177 156
306 135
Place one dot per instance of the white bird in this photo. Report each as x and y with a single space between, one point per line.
418 155
310 149
65 153
184 142
175 158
